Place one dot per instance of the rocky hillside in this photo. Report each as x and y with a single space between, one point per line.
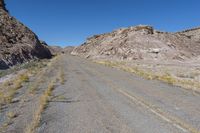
141 43
18 43
55 50
68 49
194 34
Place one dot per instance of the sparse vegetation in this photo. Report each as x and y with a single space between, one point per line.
46 96
32 66
35 85
44 99
11 115
62 76
40 74
9 88
186 82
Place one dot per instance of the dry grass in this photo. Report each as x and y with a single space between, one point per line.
35 85
31 66
41 75
47 95
165 76
43 103
10 88
10 116
62 76
40 72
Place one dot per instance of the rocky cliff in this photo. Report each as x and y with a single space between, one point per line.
18 43
140 43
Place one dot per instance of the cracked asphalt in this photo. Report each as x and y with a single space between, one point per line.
100 99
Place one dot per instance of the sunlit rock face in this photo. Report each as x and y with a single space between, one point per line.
141 42
18 44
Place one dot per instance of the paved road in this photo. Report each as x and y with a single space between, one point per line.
99 99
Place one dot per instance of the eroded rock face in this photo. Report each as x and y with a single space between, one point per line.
139 43
18 43
194 34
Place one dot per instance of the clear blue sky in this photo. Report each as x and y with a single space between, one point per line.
70 22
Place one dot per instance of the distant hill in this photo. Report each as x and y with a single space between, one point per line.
141 43
18 43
